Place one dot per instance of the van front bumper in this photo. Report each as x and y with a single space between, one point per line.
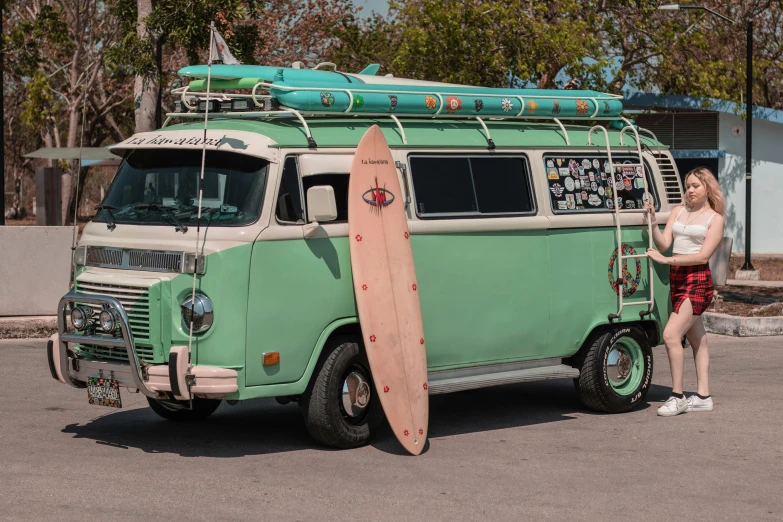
158 381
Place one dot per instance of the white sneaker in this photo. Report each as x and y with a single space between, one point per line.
673 406
697 404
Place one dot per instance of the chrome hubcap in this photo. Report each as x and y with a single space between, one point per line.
618 365
356 394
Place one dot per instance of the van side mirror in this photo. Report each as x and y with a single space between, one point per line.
321 205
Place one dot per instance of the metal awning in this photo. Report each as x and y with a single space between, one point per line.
89 155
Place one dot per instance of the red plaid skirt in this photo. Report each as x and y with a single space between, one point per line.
694 283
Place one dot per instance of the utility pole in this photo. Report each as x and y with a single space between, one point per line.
748 143
2 113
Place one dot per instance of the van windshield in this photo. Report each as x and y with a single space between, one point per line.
160 187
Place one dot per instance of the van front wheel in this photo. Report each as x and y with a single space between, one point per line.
616 372
340 406
178 410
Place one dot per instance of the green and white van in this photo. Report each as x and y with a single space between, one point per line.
515 240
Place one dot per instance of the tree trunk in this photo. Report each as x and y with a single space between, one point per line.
145 88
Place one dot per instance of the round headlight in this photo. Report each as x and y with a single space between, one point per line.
200 311
81 317
109 320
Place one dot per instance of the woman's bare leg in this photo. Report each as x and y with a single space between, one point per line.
698 339
679 323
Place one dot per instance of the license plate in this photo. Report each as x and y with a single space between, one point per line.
103 392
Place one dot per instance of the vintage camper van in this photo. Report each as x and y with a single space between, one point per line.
527 233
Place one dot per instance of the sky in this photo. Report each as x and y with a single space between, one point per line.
379 6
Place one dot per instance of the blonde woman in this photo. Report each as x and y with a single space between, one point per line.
695 231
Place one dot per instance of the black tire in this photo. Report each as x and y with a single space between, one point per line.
594 385
324 414
202 408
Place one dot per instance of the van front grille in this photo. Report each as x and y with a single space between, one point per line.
134 259
104 256
135 301
116 353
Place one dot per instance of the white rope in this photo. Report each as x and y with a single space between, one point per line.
200 182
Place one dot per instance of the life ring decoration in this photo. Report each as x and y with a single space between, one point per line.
630 283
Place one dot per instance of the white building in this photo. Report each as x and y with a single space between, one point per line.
715 138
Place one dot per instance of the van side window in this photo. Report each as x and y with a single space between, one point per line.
585 183
289 199
475 186
339 182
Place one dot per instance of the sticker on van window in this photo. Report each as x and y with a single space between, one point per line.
638 183
569 184
570 201
557 190
552 173
563 171
609 203
562 205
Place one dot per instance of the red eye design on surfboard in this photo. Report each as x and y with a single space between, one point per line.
385 389
372 338
364 287
425 385
415 287
406 235
405 433
378 197
421 432
421 341
358 237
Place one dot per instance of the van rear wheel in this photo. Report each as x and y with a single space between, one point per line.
340 406
616 372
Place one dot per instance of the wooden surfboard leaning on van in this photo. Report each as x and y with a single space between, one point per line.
387 298
497 245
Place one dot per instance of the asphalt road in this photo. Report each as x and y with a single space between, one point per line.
528 451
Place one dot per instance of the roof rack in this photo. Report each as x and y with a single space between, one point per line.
232 105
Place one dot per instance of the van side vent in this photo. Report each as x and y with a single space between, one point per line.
671 179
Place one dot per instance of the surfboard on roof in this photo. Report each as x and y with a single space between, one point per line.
338 92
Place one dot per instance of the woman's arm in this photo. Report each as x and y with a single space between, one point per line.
711 242
663 240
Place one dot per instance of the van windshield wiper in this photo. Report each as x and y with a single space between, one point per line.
110 219
167 212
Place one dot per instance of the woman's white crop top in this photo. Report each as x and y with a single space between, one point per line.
688 239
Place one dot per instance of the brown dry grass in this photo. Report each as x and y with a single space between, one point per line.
39 328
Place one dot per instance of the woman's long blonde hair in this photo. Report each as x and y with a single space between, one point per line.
714 193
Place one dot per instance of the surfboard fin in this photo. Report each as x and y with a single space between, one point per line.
371 69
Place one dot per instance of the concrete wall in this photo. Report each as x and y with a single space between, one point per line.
767 186
35 267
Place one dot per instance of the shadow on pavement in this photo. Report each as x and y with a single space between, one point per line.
263 427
